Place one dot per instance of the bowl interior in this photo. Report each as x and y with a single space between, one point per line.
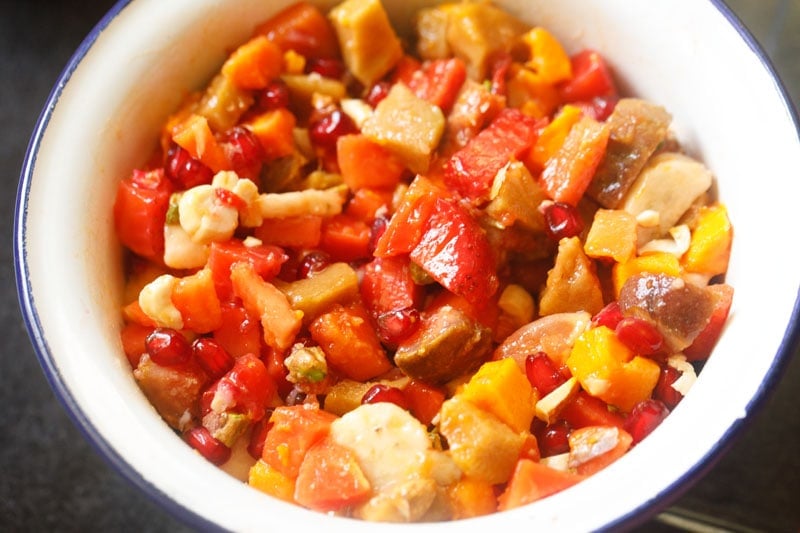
104 120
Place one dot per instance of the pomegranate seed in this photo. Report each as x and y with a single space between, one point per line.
326 67
325 131
377 93
201 440
639 335
608 316
394 326
212 357
664 390
542 374
384 393
644 418
554 438
257 437
563 220
274 96
168 347
376 231
229 198
244 151
312 263
184 170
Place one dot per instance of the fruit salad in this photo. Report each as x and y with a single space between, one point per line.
420 277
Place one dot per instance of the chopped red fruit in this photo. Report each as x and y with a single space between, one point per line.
644 418
664 390
212 357
395 326
168 347
213 450
326 130
609 316
274 96
542 374
384 393
553 439
184 170
639 335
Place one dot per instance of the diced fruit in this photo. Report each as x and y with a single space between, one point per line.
595 447
636 129
140 209
500 388
591 78
609 370
639 335
706 340
572 284
471 170
201 440
710 247
365 163
359 24
303 28
350 343
481 445
330 479
334 284
294 431
447 344
470 497
424 401
406 125
254 64
173 390
532 481
271 481
585 410
612 235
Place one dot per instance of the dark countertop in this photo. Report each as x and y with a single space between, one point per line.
53 480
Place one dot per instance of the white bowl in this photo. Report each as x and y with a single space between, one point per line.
102 120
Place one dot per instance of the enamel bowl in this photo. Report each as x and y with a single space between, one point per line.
102 120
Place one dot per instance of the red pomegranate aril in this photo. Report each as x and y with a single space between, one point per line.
554 438
542 374
312 263
562 220
274 96
639 335
167 347
244 150
258 435
326 67
184 170
664 390
644 418
377 92
394 326
213 450
326 130
212 357
609 316
384 393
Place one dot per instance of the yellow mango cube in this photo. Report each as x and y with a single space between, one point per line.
502 389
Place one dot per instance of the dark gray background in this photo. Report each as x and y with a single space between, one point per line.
51 479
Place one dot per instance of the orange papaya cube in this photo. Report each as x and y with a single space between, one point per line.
196 299
584 443
254 64
607 369
612 235
502 389
275 130
365 163
350 343
271 481
330 478
653 263
295 429
195 136
469 497
533 481
710 247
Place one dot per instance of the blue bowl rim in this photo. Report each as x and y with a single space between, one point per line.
636 516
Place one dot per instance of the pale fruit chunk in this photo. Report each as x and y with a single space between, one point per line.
553 334
572 284
407 125
370 47
481 445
